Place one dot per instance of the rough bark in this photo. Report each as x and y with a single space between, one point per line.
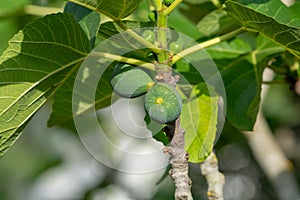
178 155
179 162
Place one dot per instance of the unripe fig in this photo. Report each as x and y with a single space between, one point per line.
149 36
175 47
163 103
131 83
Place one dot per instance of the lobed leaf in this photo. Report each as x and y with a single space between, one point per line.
36 62
229 49
241 71
62 111
181 23
271 18
243 79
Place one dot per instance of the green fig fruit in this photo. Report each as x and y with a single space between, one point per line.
130 82
149 36
175 47
163 103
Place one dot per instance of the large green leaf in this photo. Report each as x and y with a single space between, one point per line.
116 9
229 49
181 23
295 8
88 20
271 18
241 72
242 79
37 60
62 113
224 51
216 22
199 118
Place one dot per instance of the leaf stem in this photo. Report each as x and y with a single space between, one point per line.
206 44
137 37
172 7
124 60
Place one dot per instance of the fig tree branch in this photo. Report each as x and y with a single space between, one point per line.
179 162
214 178
178 155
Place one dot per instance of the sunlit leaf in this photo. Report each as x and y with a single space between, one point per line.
88 20
199 118
271 18
37 60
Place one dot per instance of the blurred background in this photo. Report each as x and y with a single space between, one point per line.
52 164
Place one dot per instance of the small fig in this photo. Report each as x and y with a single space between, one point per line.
175 47
163 103
149 36
131 82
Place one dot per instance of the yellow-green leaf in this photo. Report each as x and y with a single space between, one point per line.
199 118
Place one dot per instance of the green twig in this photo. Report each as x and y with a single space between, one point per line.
162 36
172 7
206 44
123 59
158 4
138 38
